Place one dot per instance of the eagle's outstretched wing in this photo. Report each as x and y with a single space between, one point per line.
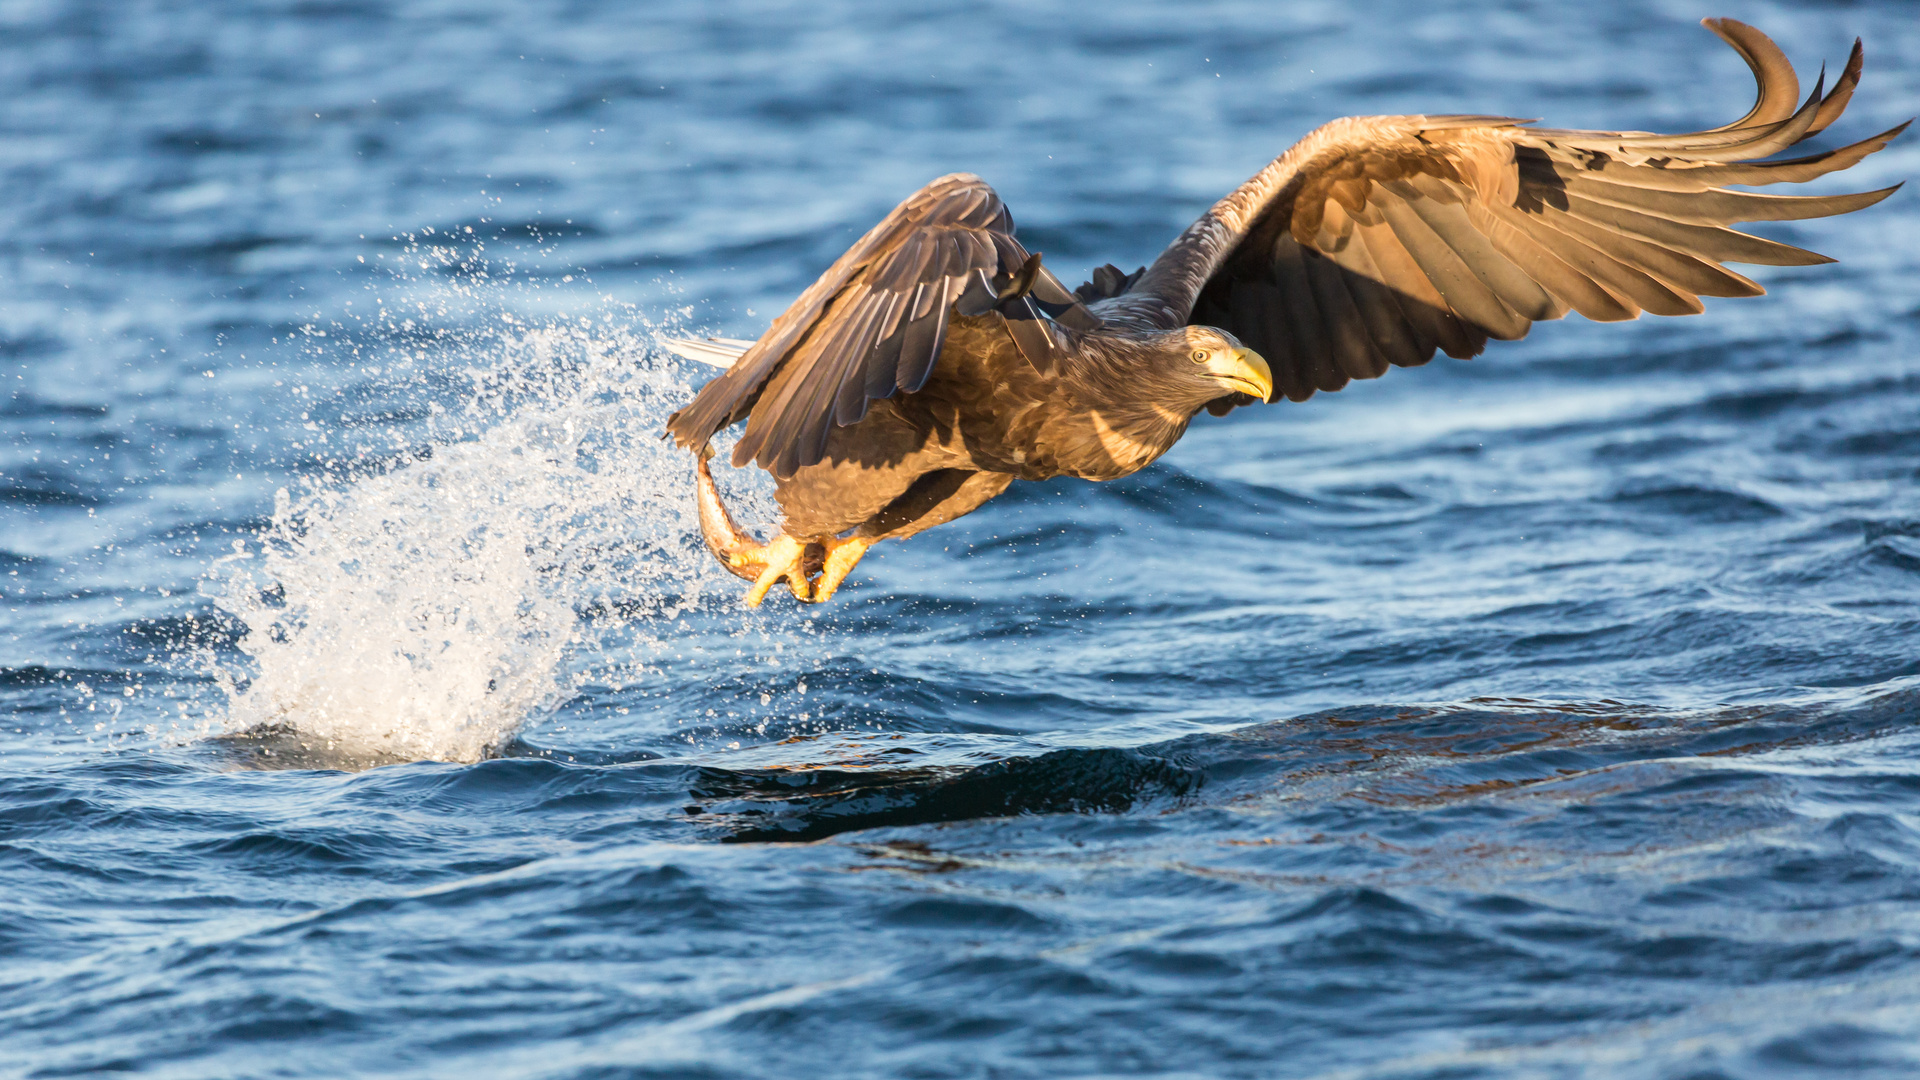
1376 240
874 322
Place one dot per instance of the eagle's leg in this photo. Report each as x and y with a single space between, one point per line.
934 498
783 557
763 564
842 556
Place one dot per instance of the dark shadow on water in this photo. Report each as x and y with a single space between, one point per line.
816 803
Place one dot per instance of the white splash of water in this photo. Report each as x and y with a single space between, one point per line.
426 610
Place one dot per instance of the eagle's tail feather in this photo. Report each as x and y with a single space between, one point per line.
716 352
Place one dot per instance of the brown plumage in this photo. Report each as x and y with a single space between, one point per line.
937 360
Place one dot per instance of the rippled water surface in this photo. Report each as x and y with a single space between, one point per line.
370 708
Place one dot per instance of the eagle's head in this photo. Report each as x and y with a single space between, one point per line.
1216 365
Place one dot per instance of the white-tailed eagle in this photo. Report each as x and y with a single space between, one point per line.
938 361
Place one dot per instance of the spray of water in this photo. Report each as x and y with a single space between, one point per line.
426 607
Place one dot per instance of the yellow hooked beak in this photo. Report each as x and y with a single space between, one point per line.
1244 370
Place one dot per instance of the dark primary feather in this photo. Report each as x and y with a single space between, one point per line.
1397 236
874 323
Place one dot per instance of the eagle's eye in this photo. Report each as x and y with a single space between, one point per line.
1199 356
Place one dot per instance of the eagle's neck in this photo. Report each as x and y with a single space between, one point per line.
1131 403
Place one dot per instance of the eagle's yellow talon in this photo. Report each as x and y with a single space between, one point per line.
782 559
842 556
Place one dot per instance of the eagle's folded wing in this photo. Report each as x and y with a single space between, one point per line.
874 323
1377 240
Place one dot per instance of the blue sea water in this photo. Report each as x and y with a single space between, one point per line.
368 707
